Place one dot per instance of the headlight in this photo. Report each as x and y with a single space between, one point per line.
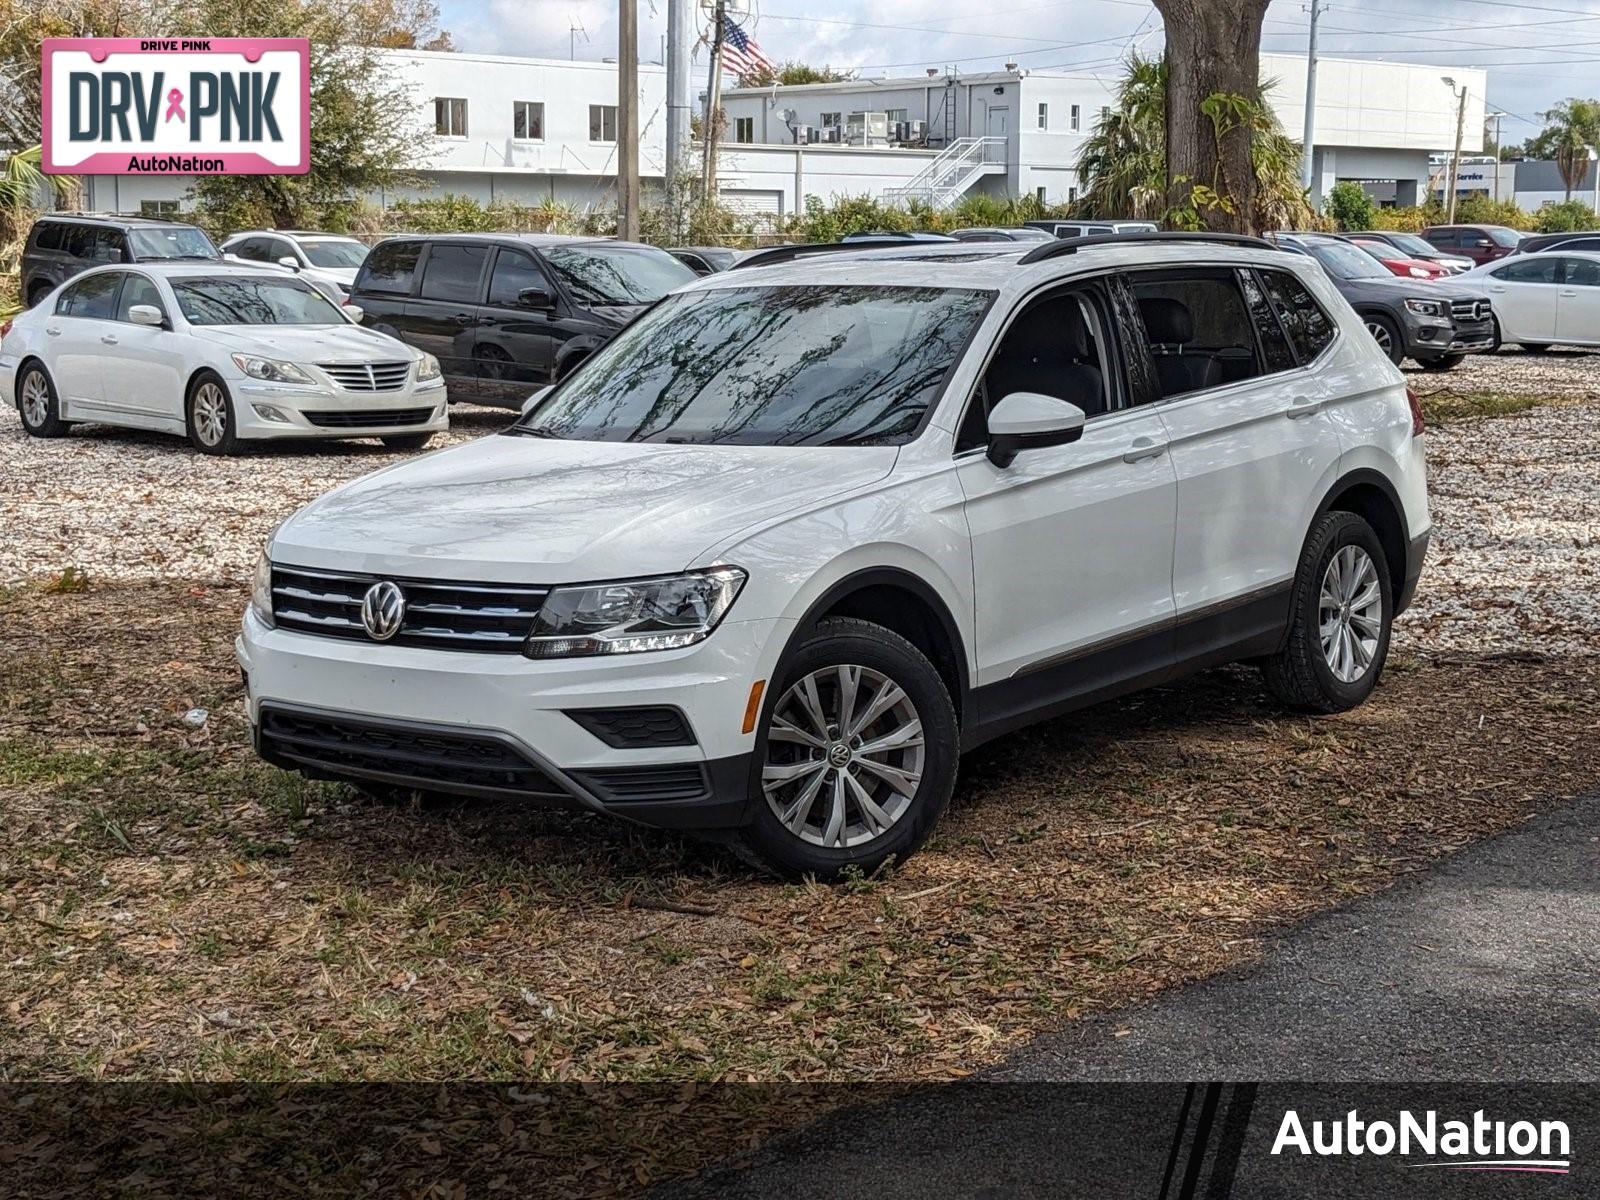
428 367
270 369
626 618
261 591
1428 308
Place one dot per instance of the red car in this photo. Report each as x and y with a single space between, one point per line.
1480 243
1400 263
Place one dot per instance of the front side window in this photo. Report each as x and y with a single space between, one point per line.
247 299
797 365
93 298
452 272
450 117
602 122
1580 272
1309 328
514 273
603 274
391 268
1198 328
171 241
527 120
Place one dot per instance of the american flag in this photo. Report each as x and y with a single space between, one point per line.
740 53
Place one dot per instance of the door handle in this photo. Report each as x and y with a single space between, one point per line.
1302 406
109 339
463 318
1569 295
52 332
1497 289
1144 448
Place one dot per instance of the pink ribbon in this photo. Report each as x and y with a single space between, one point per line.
175 105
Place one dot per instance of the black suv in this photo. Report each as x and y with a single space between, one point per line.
60 246
506 313
1542 242
1437 323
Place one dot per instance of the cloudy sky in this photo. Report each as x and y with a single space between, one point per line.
1537 52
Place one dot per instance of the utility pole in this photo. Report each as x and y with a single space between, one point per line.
628 120
679 25
1495 117
1308 138
1455 159
708 132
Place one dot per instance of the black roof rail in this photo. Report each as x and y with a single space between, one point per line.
783 254
1062 246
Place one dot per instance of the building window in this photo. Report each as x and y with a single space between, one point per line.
158 208
602 122
744 129
1039 192
450 117
527 121
1076 119
1072 195
1105 113
1044 116
831 120
895 115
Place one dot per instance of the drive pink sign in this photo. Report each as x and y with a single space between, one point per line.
177 106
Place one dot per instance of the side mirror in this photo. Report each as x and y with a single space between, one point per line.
290 261
532 402
535 298
1030 421
146 314
354 311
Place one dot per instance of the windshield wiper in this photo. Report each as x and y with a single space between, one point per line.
537 431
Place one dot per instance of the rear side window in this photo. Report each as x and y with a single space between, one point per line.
1198 329
94 297
48 236
1310 329
391 268
453 272
1528 270
1276 353
1443 238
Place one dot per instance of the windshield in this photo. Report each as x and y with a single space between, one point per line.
602 274
334 253
1411 244
799 365
245 300
173 241
1501 236
1346 262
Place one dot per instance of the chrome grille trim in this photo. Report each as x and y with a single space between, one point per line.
368 377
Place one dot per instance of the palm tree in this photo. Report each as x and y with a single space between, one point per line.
1123 167
1572 129
22 184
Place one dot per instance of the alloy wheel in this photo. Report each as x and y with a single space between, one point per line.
845 755
210 413
35 399
1380 334
1350 613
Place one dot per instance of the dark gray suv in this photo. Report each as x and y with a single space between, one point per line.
60 246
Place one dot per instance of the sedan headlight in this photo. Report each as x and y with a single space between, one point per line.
270 369
626 618
428 368
261 591
1428 308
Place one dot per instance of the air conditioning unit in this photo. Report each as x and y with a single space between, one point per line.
867 129
916 131
813 134
900 132
802 135
833 134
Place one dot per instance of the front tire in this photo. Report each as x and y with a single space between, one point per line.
1339 619
856 756
1535 347
208 414
1387 334
406 441
1445 362
38 403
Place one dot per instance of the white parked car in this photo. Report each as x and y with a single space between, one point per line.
330 258
1541 299
770 560
219 352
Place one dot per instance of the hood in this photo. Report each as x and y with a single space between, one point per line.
507 509
307 343
1393 287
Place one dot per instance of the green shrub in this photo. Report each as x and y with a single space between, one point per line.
1570 216
1349 206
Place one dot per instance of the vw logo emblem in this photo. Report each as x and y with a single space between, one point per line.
383 609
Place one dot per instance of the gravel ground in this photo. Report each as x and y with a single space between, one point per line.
1515 563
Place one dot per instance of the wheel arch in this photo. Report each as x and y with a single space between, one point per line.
1370 495
23 364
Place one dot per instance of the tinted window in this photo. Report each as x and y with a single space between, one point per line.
1528 270
48 237
1310 329
391 267
244 299
1198 328
252 249
137 289
171 241
452 272
607 273
1443 238
770 366
1580 272
513 272
1275 350
78 240
94 297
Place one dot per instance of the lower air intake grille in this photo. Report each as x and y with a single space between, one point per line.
424 758
366 418
635 728
623 785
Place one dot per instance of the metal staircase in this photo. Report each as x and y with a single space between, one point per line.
956 168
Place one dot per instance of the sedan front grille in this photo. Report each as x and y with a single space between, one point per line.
369 377
369 418
492 617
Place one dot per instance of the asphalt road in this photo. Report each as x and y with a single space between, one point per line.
1486 968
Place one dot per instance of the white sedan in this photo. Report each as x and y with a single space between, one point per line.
218 352
1542 299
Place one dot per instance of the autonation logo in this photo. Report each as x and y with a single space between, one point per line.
1476 1145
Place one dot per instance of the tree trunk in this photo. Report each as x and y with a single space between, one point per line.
1213 47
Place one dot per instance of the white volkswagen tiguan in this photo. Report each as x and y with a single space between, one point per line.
807 530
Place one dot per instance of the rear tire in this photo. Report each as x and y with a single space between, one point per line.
406 441
209 417
1342 587
824 800
38 403
1387 334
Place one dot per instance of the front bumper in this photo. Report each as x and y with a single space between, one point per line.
1434 337
276 410
498 725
